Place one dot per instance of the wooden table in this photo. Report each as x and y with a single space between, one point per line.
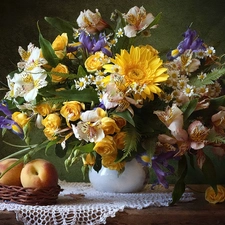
197 212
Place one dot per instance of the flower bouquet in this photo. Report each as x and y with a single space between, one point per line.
96 94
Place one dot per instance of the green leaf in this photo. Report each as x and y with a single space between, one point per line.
209 172
64 75
215 103
81 72
47 51
61 25
215 137
86 95
189 108
155 21
214 75
179 187
86 148
125 115
131 142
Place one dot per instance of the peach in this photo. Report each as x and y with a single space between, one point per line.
11 177
39 173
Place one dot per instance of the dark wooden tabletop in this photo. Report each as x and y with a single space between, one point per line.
197 212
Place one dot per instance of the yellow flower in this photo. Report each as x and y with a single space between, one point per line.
109 125
43 109
89 159
142 71
214 198
71 111
121 122
95 62
108 161
119 139
105 146
59 45
49 132
20 118
52 120
60 68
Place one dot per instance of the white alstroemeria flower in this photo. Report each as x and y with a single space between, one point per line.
137 20
26 84
89 129
91 21
93 115
90 132
30 58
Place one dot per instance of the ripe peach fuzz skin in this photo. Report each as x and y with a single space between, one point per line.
39 173
11 177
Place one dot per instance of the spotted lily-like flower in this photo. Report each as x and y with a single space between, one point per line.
137 20
198 134
31 58
172 117
89 128
90 21
26 84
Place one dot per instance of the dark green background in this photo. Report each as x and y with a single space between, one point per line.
18 26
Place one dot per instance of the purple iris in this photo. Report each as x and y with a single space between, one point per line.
92 43
8 123
191 41
160 165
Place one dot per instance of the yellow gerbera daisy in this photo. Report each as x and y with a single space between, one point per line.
141 69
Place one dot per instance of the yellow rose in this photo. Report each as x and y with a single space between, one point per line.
214 198
106 146
108 161
52 121
44 109
49 132
20 118
59 45
95 62
71 111
109 125
121 122
119 139
89 159
60 68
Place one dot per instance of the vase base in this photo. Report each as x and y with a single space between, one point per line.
131 180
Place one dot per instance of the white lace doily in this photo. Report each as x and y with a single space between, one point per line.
80 204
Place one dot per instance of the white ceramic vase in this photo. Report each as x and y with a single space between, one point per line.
131 180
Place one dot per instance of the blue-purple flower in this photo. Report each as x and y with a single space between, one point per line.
8 123
92 43
191 41
160 165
